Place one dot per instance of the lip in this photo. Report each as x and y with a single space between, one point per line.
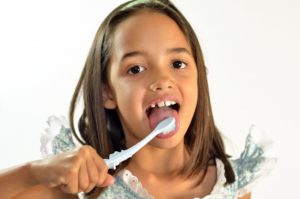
166 136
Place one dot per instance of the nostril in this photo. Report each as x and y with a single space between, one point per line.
161 85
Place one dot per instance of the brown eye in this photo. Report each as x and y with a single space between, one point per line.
178 64
135 69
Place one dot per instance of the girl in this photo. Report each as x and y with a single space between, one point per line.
145 64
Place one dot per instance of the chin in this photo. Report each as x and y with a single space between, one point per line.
167 143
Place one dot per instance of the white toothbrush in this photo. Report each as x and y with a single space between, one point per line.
117 157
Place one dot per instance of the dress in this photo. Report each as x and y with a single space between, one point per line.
249 168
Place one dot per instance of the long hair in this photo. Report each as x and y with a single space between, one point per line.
101 128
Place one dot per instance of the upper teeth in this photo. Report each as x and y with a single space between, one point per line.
163 103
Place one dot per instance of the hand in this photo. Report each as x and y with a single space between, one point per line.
74 171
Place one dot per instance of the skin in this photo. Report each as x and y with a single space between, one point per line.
71 172
158 163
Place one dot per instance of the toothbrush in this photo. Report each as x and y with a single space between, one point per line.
117 157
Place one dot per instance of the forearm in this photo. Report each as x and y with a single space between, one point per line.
15 180
42 191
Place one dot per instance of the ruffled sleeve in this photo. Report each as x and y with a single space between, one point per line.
57 137
254 162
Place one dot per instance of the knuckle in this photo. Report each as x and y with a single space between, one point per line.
104 169
102 175
83 185
78 159
72 172
94 178
102 178
85 150
61 180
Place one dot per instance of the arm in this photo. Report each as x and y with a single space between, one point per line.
247 196
42 191
15 180
72 172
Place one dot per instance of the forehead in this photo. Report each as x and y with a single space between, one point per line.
148 30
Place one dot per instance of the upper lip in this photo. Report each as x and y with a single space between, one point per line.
160 99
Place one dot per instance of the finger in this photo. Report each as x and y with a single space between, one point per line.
102 169
93 174
108 181
98 160
83 178
65 189
72 185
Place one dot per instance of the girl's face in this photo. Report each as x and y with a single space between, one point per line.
151 65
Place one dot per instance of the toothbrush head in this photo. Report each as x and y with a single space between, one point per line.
166 126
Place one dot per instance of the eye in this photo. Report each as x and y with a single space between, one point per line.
179 64
135 69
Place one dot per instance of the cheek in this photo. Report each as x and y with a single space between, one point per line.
129 97
191 91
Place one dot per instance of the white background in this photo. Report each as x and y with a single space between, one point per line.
251 49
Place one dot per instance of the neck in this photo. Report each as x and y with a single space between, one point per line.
159 162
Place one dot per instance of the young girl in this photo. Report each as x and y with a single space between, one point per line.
145 64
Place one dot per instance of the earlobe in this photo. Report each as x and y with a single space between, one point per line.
109 104
108 100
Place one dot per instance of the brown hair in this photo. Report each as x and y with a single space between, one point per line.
101 128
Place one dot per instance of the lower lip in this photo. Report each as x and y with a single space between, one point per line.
168 135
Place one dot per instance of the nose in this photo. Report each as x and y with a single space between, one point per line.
161 83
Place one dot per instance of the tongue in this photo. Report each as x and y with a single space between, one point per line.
158 114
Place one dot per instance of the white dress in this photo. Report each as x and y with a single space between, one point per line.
249 168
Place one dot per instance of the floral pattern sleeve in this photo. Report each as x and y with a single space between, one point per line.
57 137
253 163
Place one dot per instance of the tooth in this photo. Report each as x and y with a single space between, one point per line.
168 103
152 106
161 104
172 103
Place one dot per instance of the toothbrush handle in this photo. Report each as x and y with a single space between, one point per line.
117 157
132 150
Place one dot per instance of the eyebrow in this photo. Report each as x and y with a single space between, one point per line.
178 50
143 53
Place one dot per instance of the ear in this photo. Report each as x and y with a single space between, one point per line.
108 99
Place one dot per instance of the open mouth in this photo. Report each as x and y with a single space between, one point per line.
163 105
159 111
